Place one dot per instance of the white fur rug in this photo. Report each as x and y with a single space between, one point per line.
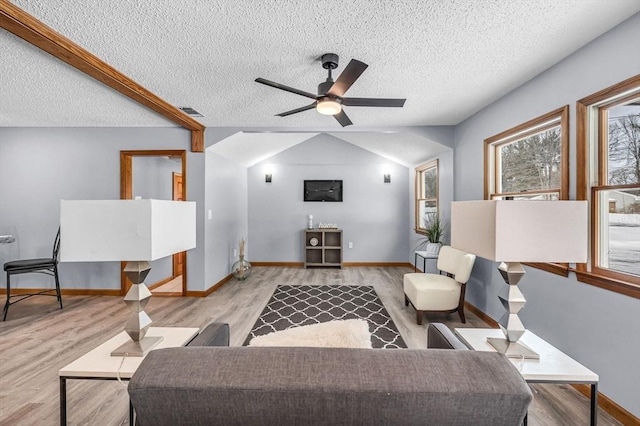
352 333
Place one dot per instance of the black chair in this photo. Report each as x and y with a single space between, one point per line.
42 266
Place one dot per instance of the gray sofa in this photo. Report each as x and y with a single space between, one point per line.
213 385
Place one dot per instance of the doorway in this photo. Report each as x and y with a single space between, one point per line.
159 174
177 195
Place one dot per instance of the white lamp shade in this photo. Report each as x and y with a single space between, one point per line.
521 231
125 230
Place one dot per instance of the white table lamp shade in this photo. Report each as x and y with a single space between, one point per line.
521 231
125 230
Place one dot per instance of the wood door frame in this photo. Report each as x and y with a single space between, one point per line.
126 193
176 258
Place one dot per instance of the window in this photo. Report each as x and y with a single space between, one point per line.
529 161
426 193
608 161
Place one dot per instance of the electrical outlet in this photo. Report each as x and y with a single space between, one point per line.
235 252
350 244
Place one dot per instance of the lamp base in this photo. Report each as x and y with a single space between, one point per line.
512 349
137 349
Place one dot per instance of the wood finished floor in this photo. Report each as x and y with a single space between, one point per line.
37 340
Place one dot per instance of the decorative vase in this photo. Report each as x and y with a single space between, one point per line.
241 269
433 248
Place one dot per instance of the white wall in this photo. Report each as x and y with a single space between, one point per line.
372 214
599 328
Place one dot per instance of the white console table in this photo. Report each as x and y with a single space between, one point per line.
98 364
554 366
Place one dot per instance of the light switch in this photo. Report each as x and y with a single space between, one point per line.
210 214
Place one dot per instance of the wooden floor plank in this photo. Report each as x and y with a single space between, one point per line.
38 339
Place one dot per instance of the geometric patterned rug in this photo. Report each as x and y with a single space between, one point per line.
295 306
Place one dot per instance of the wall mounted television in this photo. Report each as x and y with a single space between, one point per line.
323 190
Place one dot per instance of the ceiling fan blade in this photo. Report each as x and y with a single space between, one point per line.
350 74
343 119
297 110
286 88
373 102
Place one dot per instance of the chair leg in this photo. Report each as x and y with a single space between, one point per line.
419 317
463 290
6 304
55 276
461 313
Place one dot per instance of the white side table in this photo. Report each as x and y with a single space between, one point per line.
98 364
554 366
424 255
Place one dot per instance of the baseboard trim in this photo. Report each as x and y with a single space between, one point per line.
168 294
161 282
344 264
608 405
605 403
377 264
283 264
66 291
484 317
193 293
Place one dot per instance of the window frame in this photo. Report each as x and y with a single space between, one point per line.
419 186
557 117
591 156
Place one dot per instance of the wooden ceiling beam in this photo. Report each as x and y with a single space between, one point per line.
30 29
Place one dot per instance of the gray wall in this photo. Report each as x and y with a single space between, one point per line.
226 197
153 177
599 328
50 164
372 215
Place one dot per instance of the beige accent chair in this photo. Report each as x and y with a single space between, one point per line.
437 292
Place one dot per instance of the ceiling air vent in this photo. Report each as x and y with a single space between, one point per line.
190 111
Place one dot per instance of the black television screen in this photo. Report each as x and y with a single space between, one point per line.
322 190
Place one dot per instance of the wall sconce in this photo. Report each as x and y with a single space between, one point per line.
387 178
267 178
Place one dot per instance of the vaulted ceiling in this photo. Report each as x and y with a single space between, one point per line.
449 59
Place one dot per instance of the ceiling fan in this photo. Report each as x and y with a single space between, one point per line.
330 97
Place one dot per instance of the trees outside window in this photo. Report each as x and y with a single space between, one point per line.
608 161
529 161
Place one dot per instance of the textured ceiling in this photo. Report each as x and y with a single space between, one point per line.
448 58
248 149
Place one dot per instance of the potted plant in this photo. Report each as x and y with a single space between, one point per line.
434 232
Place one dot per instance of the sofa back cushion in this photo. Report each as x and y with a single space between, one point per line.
326 386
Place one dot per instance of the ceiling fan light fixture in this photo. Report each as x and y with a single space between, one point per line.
328 106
